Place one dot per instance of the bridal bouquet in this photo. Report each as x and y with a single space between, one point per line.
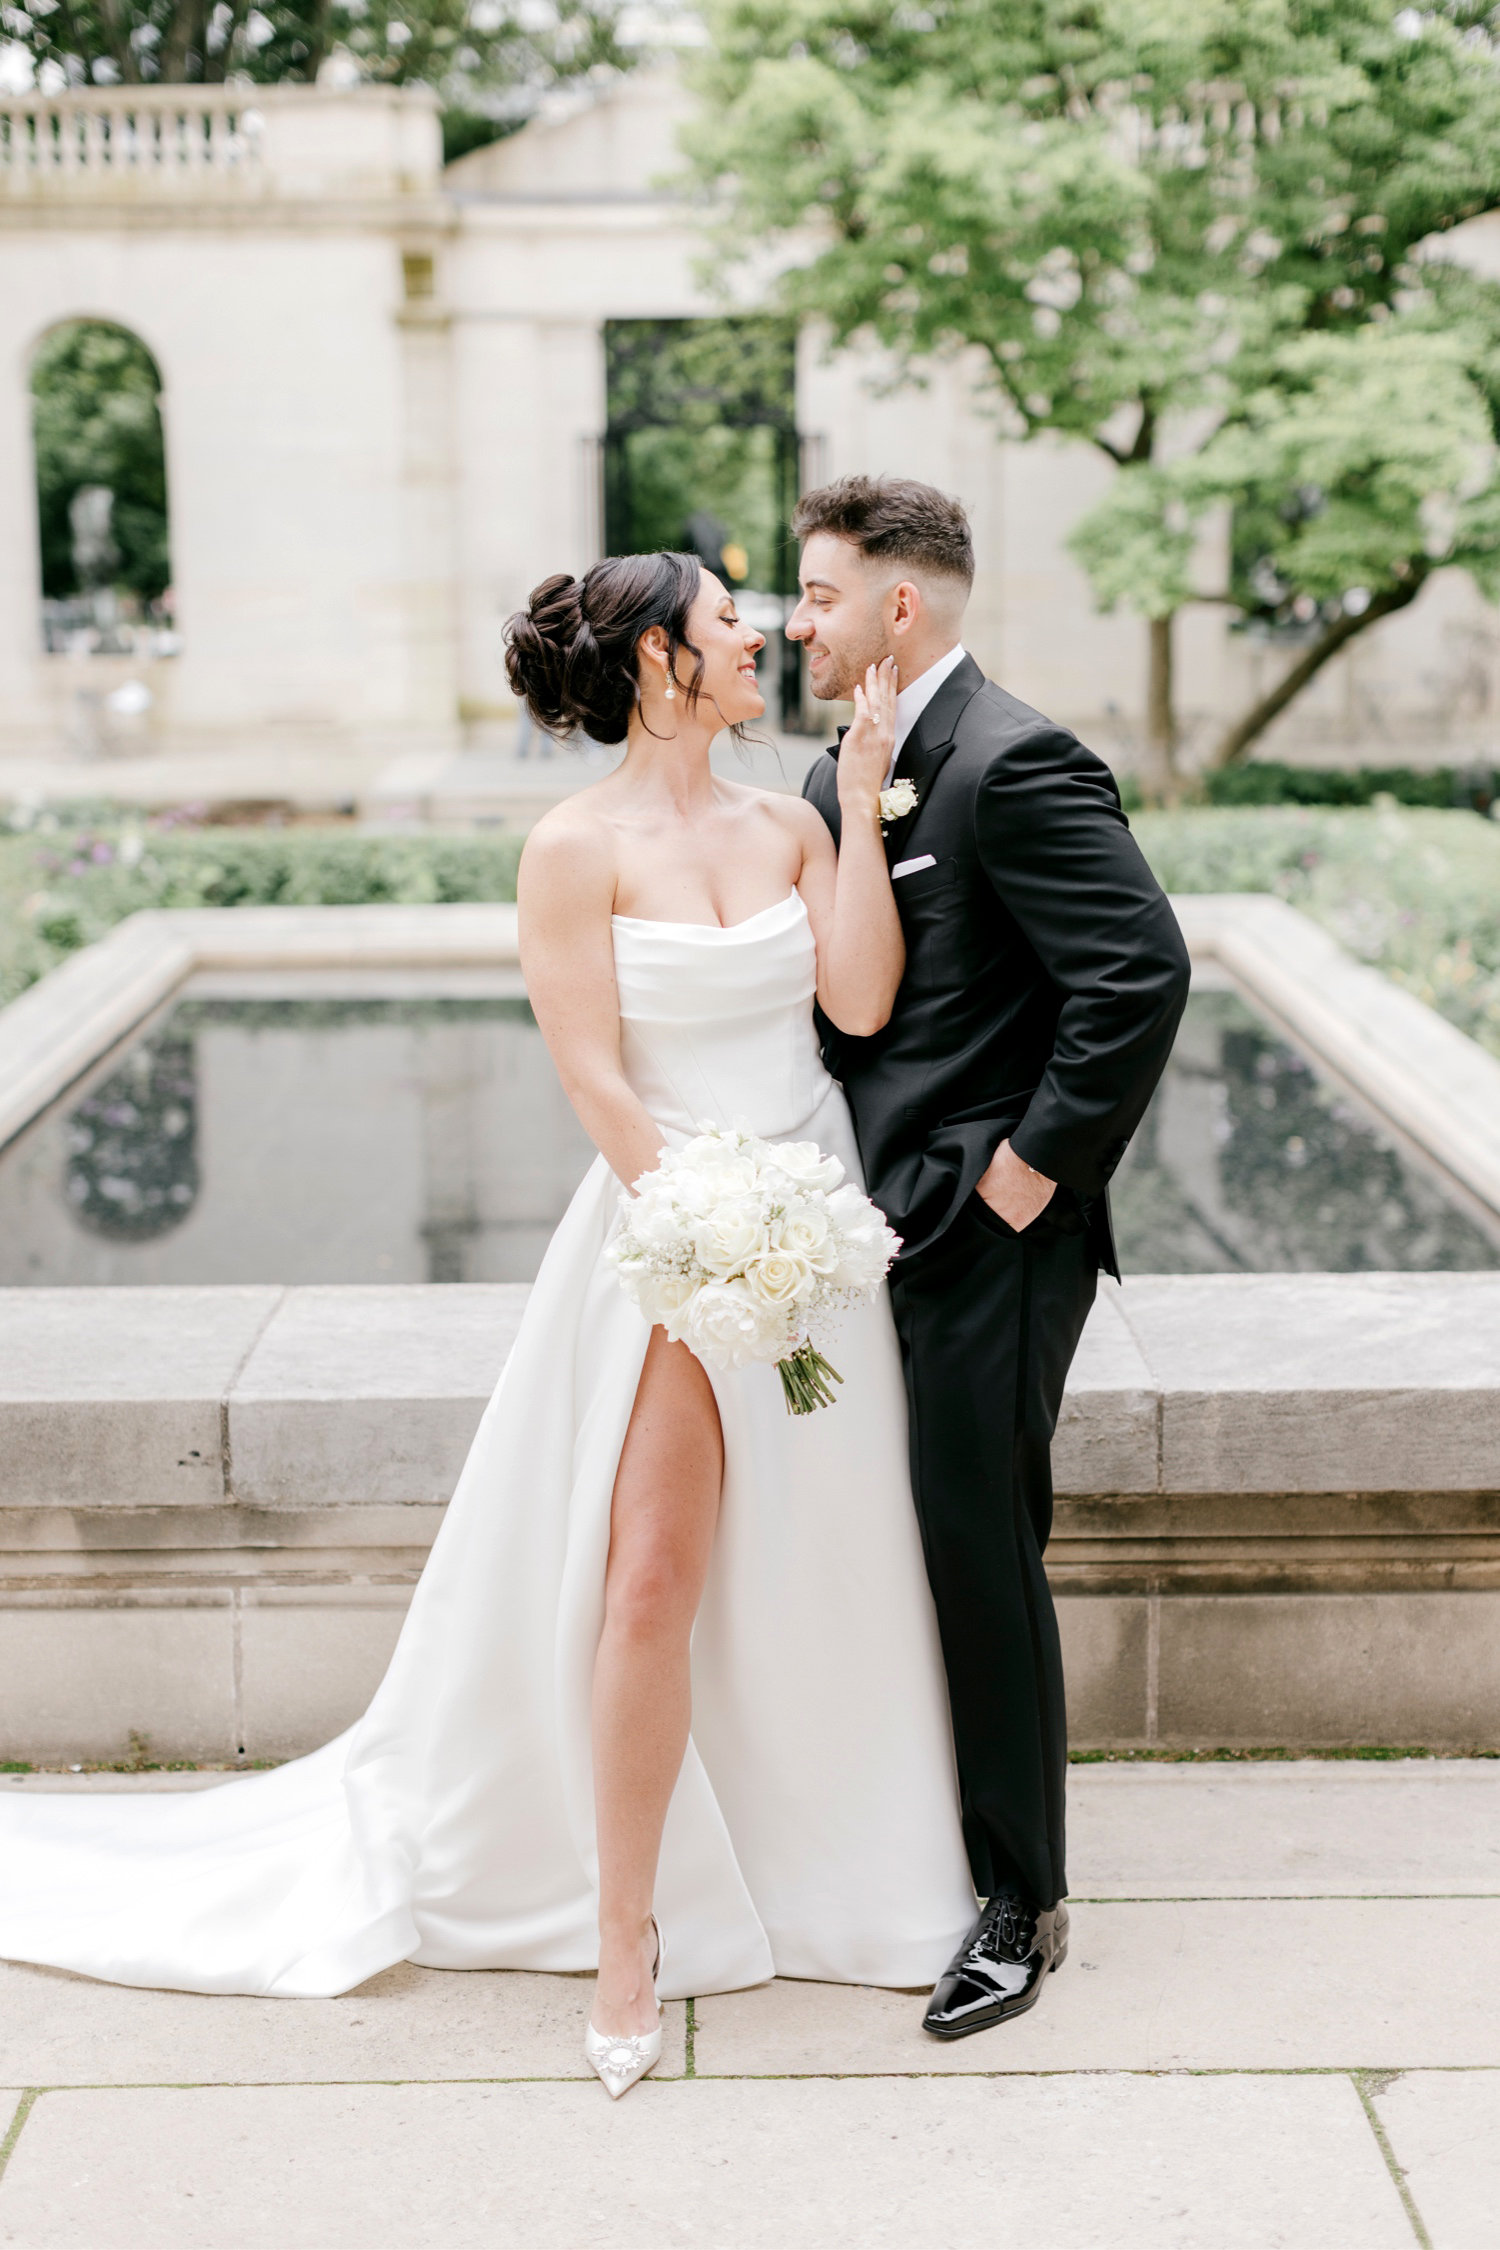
738 1245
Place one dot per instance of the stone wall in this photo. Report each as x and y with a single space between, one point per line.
1278 1508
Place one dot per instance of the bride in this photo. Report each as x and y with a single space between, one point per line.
668 1702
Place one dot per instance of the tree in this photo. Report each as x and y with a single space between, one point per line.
1186 231
489 59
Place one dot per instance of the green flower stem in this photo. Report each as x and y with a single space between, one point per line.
805 1378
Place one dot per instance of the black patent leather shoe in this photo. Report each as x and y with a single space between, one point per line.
997 1972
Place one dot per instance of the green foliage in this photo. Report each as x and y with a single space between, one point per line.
700 374
1413 892
1137 544
1267 782
464 130
702 416
1354 464
64 887
487 57
1185 230
1104 197
96 421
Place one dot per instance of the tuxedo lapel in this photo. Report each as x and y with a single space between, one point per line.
927 747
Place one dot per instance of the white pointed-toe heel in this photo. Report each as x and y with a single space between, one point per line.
621 2057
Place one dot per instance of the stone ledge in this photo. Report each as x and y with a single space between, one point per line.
1278 1513
1202 1387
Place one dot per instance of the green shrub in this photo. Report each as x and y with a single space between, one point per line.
66 885
1415 893
1267 783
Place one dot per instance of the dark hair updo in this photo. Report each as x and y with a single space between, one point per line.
571 653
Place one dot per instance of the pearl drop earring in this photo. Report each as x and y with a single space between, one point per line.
671 694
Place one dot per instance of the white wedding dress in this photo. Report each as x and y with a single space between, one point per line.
814 1830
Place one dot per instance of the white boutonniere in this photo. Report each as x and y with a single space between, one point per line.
896 802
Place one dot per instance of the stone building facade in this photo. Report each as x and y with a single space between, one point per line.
383 400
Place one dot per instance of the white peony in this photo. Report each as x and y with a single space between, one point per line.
662 1296
805 1165
654 1223
729 1178
728 1327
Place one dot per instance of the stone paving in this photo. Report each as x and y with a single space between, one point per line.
1279 2028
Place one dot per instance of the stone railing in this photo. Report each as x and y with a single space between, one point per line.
1278 1516
180 145
171 140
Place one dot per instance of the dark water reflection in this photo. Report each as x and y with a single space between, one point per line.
1248 1162
357 1138
277 1139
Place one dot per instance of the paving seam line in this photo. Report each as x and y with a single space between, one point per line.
1383 2072
1366 2085
1274 1898
24 2108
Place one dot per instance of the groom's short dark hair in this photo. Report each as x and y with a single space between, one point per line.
892 517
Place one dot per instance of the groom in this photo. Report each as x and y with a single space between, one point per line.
1045 976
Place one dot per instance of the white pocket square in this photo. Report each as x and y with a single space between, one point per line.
912 866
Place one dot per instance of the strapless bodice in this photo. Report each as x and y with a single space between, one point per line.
717 1023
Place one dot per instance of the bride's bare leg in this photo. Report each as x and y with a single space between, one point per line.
666 1502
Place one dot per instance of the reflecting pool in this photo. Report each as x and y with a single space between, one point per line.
1249 1161
300 1130
366 1128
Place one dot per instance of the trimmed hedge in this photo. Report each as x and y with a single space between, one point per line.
1437 788
65 885
1415 892
1440 788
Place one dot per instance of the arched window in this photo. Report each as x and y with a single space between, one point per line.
102 492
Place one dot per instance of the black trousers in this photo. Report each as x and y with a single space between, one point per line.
989 1321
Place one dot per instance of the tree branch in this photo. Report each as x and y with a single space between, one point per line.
1145 436
1140 445
1007 384
1237 740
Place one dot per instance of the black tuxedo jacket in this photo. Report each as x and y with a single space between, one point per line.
1045 971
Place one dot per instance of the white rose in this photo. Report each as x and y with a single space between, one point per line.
780 1278
805 1165
728 1236
805 1233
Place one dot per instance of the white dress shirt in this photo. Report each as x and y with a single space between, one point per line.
913 700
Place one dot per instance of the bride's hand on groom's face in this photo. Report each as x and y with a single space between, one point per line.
865 754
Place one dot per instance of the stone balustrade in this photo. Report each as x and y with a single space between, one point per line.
184 144
1278 1509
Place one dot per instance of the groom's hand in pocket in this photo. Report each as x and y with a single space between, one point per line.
1013 1191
